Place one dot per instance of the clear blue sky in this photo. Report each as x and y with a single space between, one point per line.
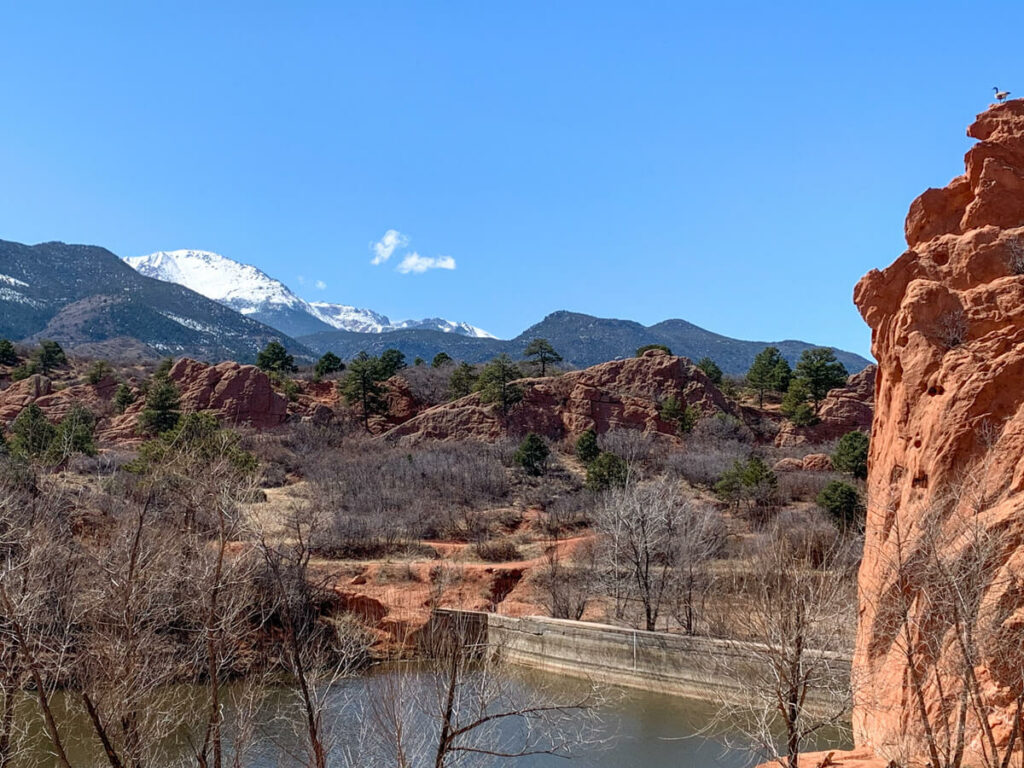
739 165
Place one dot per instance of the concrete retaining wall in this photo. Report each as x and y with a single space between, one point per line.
654 661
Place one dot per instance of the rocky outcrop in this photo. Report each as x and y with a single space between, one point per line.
622 394
947 457
54 400
812 462
238 394
843 410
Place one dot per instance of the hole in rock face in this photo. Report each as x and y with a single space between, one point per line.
917 443
936 389
920 480
896 474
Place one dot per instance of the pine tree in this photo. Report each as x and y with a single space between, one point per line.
123 397
462 381
767 372
851 454
532 454
391 362
8 355
711 370
162 408
362 386
541 352
440 360
31 432
275 358
606 471
795 406
820 371
329 363
586 447
495 383
49 356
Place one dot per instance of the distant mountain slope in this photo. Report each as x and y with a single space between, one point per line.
85 296
256 294
583 340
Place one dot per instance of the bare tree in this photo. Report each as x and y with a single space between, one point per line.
459 708
642 523
792 667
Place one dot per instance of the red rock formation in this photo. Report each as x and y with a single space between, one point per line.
239 394
618 394
54 402
843 410
947 447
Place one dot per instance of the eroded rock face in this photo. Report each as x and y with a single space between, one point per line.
843 410
619 394
947 446
239 394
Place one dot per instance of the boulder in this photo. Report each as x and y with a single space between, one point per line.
817 462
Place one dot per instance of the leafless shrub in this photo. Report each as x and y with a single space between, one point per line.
794 614
427 384
570 585
1015 249
701 462
803 486
952 328
497 551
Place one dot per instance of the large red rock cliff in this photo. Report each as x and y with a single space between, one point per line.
947 459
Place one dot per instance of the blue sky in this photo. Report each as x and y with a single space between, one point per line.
738 165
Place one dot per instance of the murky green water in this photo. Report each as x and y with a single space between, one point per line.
632 728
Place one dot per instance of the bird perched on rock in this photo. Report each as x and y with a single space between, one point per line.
1000 95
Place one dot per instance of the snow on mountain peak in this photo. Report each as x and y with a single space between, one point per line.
240 286
251 291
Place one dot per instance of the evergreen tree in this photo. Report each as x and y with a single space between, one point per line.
440 360
274 358
711 370
362 386
74 435
541 352
49 356
329 363
795 406
768 373
586 447
162 407
495 383
532 454
418 361
820 371
391 362
462 381
606 471
164 369
31 433
123 397
684 416
8 355
98 371
842 501
851 454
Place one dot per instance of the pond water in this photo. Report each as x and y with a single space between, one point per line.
630 728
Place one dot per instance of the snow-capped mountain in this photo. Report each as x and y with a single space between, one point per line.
256 294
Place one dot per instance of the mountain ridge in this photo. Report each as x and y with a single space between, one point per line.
582 340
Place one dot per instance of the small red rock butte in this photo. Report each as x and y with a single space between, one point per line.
947 322
620 393
843 410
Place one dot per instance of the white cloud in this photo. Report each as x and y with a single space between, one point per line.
321 285
417 264
386 246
